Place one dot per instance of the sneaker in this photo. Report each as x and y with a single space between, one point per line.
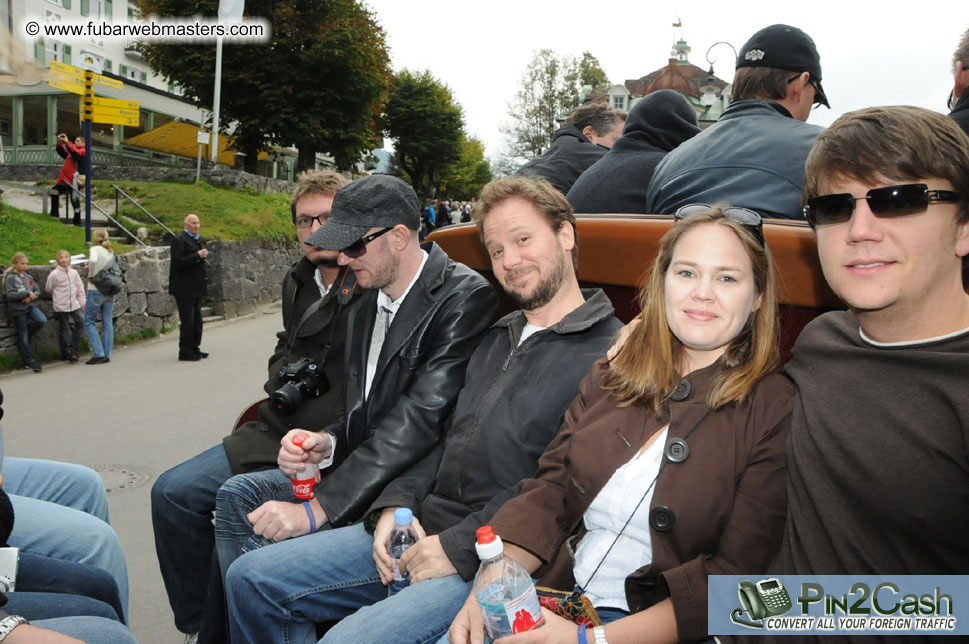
97 360
191 638
35 366
73 357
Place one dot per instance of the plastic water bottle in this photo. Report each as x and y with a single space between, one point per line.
304 480
402 537
504 589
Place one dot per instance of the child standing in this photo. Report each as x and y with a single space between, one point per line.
68 294
22 293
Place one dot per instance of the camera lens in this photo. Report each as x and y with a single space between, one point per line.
287 398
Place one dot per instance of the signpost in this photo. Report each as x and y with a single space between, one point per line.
94 109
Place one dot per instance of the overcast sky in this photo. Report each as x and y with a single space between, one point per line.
871 53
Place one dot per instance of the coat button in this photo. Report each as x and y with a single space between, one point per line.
662 519
682 391
676 450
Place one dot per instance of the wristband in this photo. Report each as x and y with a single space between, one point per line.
582 634
309 513
600 634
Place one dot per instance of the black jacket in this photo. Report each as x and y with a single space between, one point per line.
186 270
617 182
416 383
568 157
257 443
513 403
960 112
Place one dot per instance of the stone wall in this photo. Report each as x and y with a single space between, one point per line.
219 176
241 277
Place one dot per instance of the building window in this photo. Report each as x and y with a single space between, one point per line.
58 51
60 3
619 102
132 73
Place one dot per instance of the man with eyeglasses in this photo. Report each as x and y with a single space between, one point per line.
316 295
408 345
753 156
878 474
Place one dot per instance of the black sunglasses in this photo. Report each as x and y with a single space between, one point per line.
359 247
819 97
890 201
746 218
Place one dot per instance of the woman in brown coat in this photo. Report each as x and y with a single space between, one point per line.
670 465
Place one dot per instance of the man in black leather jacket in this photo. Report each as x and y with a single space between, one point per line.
183 498
399 392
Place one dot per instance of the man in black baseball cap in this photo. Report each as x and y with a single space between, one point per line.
753 156
408 339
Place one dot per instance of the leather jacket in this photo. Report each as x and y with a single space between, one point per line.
416 383
753 157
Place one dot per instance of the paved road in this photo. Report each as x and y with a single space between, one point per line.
132 419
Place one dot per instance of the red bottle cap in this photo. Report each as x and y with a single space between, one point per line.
485 534
298 439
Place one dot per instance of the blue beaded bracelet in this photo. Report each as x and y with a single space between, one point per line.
309 513
582 630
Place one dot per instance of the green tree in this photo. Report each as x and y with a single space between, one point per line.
320 84
466 177
549 89
427 127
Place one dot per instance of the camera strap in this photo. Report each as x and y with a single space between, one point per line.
343 296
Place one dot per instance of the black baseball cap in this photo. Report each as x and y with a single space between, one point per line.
783 47
378 200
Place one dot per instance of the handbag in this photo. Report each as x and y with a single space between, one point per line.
108 280
573 606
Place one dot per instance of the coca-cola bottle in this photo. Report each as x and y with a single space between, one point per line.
304 480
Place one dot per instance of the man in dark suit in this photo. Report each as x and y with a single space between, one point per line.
186 281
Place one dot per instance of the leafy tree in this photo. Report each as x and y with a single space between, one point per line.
320 84
466 177
427 127
549 89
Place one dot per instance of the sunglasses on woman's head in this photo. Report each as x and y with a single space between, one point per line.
746 218
890 201
359 247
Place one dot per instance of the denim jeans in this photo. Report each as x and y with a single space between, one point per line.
89 629
182 504
62 512
278 593
70 334
96 302
237 497
40 574
45 605
28 323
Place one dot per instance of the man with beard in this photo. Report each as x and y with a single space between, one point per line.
518 384
317 293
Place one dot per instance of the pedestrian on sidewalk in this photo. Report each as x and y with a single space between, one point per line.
102 253
22 295
67 293
186 281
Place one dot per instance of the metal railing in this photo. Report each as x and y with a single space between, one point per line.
115 222
118 192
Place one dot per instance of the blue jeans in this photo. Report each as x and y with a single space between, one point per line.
62 512
70 337
42 605
278 593
607 615
40 574
96 302
237 497
182 504
89 629
28 323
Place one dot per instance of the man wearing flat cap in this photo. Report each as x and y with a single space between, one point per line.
408 344
754 155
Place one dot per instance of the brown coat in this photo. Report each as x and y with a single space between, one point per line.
727 499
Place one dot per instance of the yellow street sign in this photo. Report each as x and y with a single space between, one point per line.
77 72
95 112
108 82
71 70
99 101
113 119
67 83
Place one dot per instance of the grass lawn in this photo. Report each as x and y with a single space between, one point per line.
226 213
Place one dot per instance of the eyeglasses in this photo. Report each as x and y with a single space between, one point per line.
890 201
359 247
746 218
818 92
307 221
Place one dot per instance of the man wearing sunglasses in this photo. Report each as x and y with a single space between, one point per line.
878 476
408 345
317 293
753 156
959 99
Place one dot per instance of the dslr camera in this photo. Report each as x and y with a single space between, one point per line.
9 562
302 379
